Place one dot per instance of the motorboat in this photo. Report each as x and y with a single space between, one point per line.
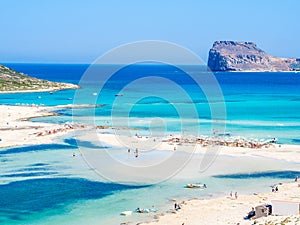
126 213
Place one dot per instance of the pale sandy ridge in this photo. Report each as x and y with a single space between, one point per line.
227 210
63 86
17 130
285 152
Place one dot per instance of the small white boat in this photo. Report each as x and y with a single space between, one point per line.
118 95
126 213
202 186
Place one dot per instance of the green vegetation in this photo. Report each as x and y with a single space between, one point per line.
11 80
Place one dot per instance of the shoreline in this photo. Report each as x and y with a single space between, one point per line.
287 152
229 210
65 86
17 129
16 118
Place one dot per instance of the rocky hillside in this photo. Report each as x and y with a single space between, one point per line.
246 56
13 81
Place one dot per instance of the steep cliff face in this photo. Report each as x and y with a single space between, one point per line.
246 56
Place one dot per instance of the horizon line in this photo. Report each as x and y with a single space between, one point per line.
82 63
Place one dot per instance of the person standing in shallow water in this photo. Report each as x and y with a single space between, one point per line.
128 152
136 153
236 195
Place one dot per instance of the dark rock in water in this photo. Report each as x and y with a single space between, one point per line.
246 56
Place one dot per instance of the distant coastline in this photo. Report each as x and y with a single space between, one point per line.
12 81
64 86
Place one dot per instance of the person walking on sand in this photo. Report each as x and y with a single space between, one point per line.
236 195
136 153
231 194
296 179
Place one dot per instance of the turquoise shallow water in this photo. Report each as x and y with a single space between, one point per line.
45 185
258 105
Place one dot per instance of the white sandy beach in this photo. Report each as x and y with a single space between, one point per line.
227 210
275 151
17 130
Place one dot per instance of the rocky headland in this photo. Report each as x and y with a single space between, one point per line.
13 81
246 56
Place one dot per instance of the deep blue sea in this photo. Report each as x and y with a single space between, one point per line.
43 184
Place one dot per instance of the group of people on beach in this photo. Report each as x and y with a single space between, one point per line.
222 141
275 188
64 128
235 195
136 152
177 206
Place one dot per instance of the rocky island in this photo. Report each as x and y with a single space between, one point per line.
229 56
13 81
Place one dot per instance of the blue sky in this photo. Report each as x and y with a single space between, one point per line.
79 31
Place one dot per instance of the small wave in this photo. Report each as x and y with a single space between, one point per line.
38 164
33 174
31 148
295 100
296 140
287 174
31 169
